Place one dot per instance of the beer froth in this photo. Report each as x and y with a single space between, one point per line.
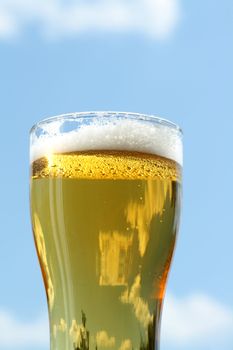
109 134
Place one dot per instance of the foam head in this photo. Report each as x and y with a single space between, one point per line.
106 131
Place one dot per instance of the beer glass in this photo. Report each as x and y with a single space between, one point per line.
105 206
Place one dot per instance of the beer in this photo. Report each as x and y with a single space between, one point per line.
105 224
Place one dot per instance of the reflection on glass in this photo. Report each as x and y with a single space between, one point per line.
139 214
41 250
103 340
79 334
61 327
115 258
126 345
140 306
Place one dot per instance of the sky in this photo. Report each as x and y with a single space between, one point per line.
172 58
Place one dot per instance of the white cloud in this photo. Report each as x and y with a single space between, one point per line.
16 334
8 26
155 18
194 319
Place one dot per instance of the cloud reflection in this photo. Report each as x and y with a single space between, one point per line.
140 307
41 249
115 256
139 215
104 340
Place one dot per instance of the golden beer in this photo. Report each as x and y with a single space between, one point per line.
105 225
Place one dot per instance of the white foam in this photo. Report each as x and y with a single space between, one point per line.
109 134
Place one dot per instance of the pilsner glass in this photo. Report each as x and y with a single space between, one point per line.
105 206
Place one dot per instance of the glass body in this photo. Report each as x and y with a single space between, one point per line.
105 205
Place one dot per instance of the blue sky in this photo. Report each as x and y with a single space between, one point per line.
167 57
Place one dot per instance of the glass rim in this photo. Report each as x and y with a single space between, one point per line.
91 114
